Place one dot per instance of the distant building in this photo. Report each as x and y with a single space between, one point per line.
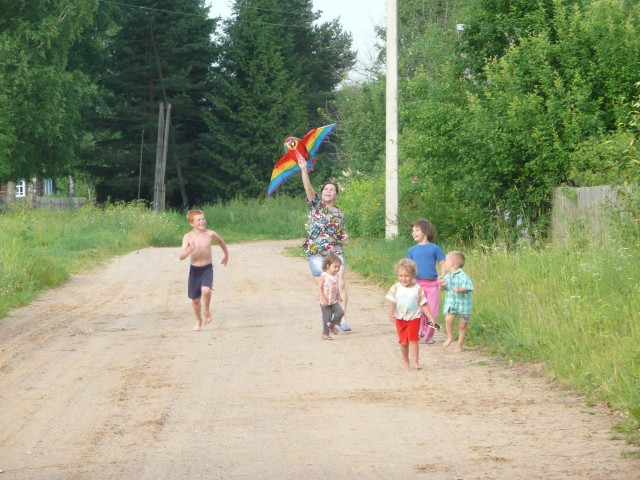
39 192
21 190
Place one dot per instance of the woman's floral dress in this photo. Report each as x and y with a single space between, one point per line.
325 229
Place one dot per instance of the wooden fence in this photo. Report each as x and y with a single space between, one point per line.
60 202
52 203
580 207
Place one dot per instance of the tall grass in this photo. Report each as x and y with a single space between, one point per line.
374 258
40 248
574 308
279 217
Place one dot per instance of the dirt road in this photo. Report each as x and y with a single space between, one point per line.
104 378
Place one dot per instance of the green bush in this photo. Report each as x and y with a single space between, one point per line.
363 203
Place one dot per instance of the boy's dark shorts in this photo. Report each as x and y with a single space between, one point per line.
199 277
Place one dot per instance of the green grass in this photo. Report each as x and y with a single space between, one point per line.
41 248
276 218
573 308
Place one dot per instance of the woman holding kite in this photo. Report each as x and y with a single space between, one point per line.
326 233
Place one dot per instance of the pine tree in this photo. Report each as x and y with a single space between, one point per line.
277 71
160 48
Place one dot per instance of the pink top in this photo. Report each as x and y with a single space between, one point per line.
330 287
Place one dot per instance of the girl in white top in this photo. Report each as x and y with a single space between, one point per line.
407 301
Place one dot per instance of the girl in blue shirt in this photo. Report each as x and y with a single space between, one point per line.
427 256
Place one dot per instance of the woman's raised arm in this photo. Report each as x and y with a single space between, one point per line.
308 188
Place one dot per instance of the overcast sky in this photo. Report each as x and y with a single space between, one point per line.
359 17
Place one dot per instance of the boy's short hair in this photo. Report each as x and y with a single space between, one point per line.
407 264
426 227
192 213
330 260
458 257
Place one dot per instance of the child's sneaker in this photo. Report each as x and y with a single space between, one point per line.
344 326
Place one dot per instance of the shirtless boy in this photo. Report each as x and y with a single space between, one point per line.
197 243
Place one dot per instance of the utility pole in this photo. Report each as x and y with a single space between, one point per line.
165 149
391 223
162 145
169 125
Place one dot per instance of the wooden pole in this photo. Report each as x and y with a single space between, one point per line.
140 167
174 150
159 151
165 149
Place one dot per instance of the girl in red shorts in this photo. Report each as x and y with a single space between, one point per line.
407 301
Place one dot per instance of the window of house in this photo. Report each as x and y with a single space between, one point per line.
48 186
21 189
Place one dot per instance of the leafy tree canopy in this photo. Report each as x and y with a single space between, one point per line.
42 97
503 100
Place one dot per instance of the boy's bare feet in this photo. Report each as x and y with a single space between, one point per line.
417 367
207 318
446 343
405 366
458 348
334 329
197 326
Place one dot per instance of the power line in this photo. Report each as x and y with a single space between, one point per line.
251 7
150 9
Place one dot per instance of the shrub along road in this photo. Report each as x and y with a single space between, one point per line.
104 378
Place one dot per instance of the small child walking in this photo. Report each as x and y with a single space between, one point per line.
457 300
197 245
329 295
407 301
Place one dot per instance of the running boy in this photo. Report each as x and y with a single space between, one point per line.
329 295
457 299
406 301
197 243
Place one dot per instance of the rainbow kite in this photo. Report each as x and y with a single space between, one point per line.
306 148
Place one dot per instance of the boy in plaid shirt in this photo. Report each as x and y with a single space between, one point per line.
457 299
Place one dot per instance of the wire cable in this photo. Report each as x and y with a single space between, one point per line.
253 22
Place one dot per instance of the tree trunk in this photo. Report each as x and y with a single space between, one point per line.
72 186
32 191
